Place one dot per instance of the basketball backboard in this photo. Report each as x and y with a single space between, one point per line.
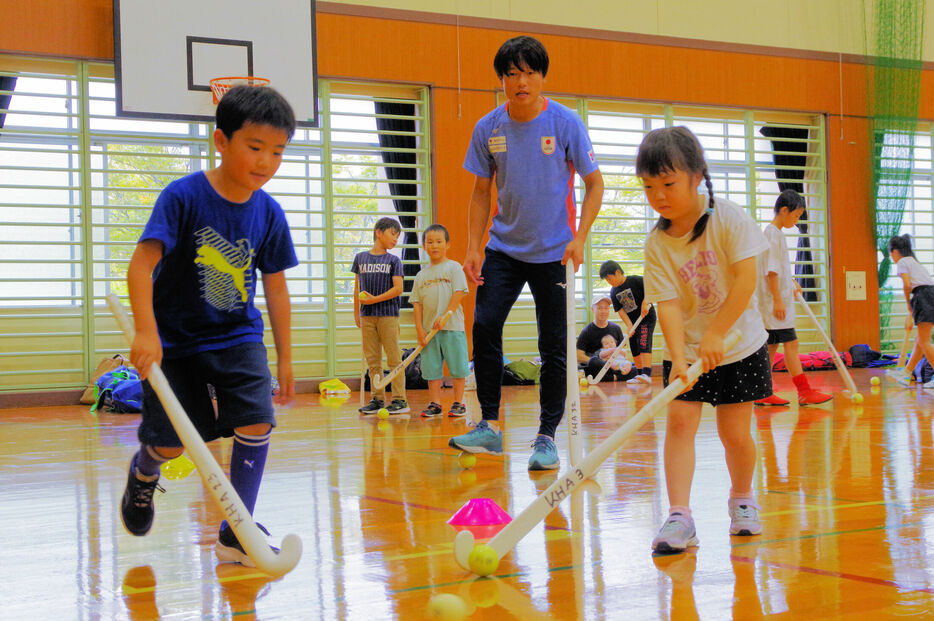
165 54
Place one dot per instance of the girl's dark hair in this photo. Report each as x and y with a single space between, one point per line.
902 243
791 199
669 149
439 228
261 105
520 51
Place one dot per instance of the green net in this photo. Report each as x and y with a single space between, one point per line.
894 89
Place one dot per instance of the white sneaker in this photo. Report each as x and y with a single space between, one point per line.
645 379
632 381
928 385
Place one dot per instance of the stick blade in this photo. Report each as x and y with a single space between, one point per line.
290 552
463 544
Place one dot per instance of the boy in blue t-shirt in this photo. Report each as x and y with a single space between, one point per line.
376 290
532 147
192 282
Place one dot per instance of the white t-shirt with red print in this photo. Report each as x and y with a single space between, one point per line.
699 275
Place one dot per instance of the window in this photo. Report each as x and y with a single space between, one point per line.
916 220
77 185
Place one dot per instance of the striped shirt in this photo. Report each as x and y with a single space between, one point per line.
374 274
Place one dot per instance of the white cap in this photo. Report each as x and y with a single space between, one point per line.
600 296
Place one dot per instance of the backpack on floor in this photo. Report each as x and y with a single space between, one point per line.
923 371
413 372
119 391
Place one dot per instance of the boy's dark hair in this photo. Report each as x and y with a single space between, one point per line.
436 227
262 105
386 223
669 149
790 199
520 51
610 267
902 243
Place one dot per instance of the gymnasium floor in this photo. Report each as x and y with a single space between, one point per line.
846 495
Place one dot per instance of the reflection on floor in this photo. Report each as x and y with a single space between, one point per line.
845 491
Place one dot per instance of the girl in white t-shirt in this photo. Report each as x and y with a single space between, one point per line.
700 272
919 293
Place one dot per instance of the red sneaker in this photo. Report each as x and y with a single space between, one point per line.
772 399
813 397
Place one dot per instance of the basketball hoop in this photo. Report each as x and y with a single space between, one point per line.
220 86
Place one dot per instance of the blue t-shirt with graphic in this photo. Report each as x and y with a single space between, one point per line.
375 272
534 164
204 285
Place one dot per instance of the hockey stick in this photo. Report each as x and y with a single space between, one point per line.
566 484
363 369
235 512
619 348
379 383
573 403
841 368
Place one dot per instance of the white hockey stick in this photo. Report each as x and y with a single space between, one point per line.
235 512
363 369
841 368
569 482
619 348
573 399
379 383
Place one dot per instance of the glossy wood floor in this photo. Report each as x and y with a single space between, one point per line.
847 495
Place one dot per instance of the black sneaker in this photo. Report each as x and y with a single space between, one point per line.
398 406
136 509
433 409
372 407
458 409
228 548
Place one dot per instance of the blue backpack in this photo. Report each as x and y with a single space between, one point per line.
119 391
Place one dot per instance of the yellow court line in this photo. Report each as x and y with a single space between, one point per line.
446 548
129 590
849 505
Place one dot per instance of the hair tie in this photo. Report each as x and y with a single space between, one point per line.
709 211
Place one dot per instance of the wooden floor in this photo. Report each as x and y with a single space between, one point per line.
847 495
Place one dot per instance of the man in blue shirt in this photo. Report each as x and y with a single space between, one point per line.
532 147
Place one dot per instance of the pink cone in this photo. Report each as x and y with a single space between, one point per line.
479 512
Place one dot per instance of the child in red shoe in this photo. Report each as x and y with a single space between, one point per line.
777 288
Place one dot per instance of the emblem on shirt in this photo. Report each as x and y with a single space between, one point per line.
224 270
497 144
593 160
548 145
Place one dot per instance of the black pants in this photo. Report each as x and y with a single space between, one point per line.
503 279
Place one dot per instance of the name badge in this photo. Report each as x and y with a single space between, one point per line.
548 145
497 144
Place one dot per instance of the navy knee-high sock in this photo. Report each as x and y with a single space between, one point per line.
147 461
247 462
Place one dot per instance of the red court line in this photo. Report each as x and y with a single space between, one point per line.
834 574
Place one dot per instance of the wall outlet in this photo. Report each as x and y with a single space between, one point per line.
855 285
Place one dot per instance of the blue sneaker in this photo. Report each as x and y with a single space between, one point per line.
544 454
480 439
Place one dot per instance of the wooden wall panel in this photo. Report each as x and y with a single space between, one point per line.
370 48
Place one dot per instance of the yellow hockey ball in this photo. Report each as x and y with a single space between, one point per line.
874 381
363 295
382 413
467 460
483 560
447 607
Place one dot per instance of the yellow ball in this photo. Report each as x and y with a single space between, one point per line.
467 460
857 398
447 606
363 295
874 381
584 382
483 560
383 413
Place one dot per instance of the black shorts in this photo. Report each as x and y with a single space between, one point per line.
922 304
782 335
242 383
641 340
745 380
